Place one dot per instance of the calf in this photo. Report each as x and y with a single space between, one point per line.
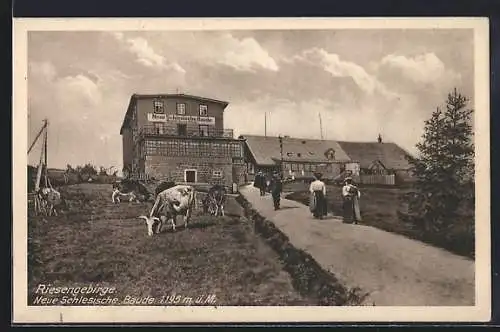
129 187
177 200
214 200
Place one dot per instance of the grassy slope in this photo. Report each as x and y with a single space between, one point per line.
100 243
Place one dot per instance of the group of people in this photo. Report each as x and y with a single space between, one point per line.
350 200
274 185
317 201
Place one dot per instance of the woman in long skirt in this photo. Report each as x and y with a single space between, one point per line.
317 190
350 202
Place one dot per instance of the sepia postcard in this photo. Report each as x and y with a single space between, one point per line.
251 170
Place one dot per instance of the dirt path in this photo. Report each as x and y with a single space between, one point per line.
395 270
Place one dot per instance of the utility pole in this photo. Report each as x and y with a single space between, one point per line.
320 126
265 124
281 156
45 152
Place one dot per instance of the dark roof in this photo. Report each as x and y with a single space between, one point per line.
389 154
176 95
136 96
265 148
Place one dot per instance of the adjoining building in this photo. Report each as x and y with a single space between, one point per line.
301 157
182 138
368 162
380 158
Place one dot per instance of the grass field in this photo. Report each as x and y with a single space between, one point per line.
99 243
379 208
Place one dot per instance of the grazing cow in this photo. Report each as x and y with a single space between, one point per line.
49 200
177 200
163 186
214 200
131 188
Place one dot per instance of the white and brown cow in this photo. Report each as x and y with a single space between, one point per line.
174 201
48 201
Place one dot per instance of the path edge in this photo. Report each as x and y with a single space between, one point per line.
308 277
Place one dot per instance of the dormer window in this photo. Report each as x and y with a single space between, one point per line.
203 110
158 107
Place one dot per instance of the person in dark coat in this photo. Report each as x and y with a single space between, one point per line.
276 189
259 182
318 197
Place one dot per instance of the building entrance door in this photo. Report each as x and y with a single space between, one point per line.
190 176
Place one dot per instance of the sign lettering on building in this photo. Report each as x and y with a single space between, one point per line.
202 120
155 117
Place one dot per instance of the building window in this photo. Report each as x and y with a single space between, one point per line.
250 168
181 109
217 174
158 128
203 110
158 106
203 130
182 129
190 175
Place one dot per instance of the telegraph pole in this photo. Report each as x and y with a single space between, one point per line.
281 156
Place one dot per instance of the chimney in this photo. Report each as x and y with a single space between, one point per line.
379 139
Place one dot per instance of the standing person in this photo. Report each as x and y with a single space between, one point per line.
318 197
276 188
259 182
350 197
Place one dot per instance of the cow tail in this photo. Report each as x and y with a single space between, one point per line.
195 203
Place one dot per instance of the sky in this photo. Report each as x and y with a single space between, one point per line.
360 82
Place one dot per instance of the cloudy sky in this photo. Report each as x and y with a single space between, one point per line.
363 82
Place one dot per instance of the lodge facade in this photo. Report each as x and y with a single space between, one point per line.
181 138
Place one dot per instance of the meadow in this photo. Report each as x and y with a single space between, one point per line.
95 242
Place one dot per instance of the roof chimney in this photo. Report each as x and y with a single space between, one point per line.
379 139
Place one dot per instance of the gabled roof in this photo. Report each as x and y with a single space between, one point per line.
136 96
389 154
265 148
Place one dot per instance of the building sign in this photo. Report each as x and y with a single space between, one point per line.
202 120
154 117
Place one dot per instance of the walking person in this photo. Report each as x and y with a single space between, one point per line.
318 204
350 197
276 189
259 182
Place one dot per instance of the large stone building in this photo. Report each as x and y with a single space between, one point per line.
182 138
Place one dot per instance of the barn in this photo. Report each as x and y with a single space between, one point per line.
378 159
181 138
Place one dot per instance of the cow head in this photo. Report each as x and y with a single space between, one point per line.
150 222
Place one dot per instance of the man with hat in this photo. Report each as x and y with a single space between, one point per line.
350 196
276 189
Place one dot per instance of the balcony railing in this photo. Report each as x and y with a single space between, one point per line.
173 130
